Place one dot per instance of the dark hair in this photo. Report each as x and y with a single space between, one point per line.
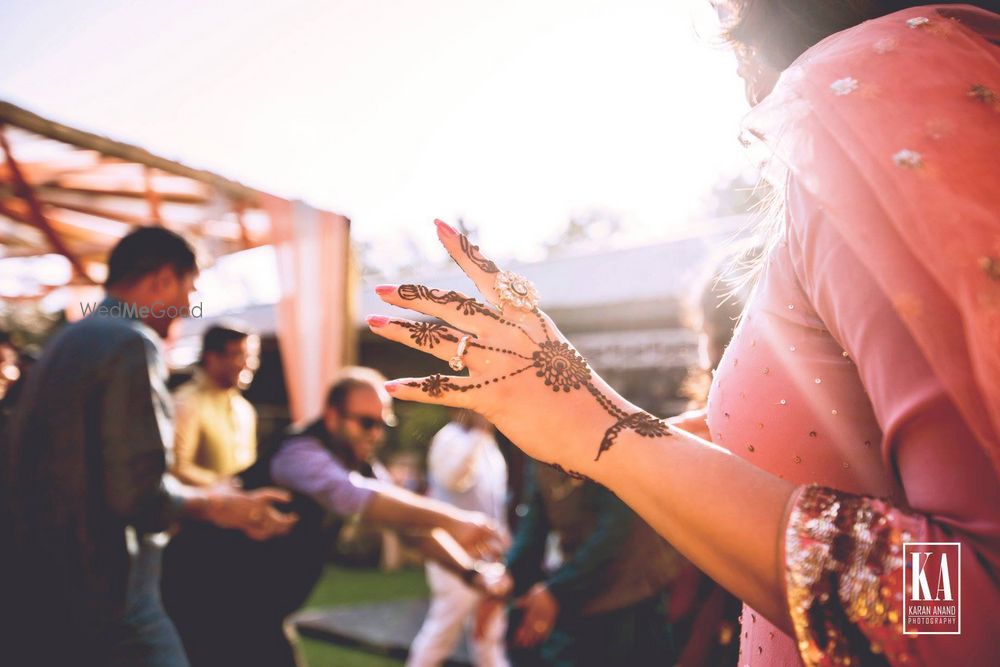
216 338
145 250
359 377
355 377
779 31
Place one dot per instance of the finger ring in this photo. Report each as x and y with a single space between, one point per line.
456 362
515 290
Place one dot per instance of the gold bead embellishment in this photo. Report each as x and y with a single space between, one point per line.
991 267
983 94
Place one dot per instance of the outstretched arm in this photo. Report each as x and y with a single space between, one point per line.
529 381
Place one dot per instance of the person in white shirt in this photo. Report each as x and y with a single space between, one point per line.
466 469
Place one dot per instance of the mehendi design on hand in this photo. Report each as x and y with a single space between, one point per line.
570 473
558 363
428 334
437 384
560 366
472 252
464 304
643 423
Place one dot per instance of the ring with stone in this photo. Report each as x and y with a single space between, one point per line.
456 362
515 290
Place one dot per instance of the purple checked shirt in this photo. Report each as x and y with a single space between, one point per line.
306 467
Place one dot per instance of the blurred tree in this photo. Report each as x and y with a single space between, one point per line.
588 231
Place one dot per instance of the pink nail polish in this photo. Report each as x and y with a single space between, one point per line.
382 290
445 228
376 321
392 386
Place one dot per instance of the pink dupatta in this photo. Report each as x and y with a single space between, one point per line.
904 111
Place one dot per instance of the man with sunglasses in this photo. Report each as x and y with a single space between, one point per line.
229 596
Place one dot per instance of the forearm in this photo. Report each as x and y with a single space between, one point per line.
193 474
439 546
723 514
398 507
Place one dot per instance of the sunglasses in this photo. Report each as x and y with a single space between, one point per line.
367 423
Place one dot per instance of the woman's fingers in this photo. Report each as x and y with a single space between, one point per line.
453 391
444 342
435 339
481 270
497 285
453 307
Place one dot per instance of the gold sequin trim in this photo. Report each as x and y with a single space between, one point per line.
844 568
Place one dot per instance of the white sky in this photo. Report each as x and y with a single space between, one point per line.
513 114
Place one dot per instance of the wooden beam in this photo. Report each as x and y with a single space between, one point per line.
99 212
170 197
152 198
35 215
27 120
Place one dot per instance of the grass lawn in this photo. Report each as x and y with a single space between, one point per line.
351 586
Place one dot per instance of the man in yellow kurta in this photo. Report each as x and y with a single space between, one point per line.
215 426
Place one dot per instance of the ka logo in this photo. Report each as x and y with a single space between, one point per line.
932 588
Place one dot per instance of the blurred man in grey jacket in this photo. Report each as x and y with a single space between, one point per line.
86 498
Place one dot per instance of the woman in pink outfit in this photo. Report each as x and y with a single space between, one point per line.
857 408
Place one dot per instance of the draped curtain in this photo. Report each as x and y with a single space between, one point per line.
313 315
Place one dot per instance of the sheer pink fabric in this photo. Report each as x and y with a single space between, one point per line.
898 121
869 359
314 313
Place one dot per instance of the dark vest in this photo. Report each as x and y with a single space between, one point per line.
209 570
645 563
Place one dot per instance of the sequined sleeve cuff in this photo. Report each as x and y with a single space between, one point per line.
844 577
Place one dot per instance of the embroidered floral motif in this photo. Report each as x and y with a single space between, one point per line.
991 267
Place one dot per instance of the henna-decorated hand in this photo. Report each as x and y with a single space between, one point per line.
524 376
